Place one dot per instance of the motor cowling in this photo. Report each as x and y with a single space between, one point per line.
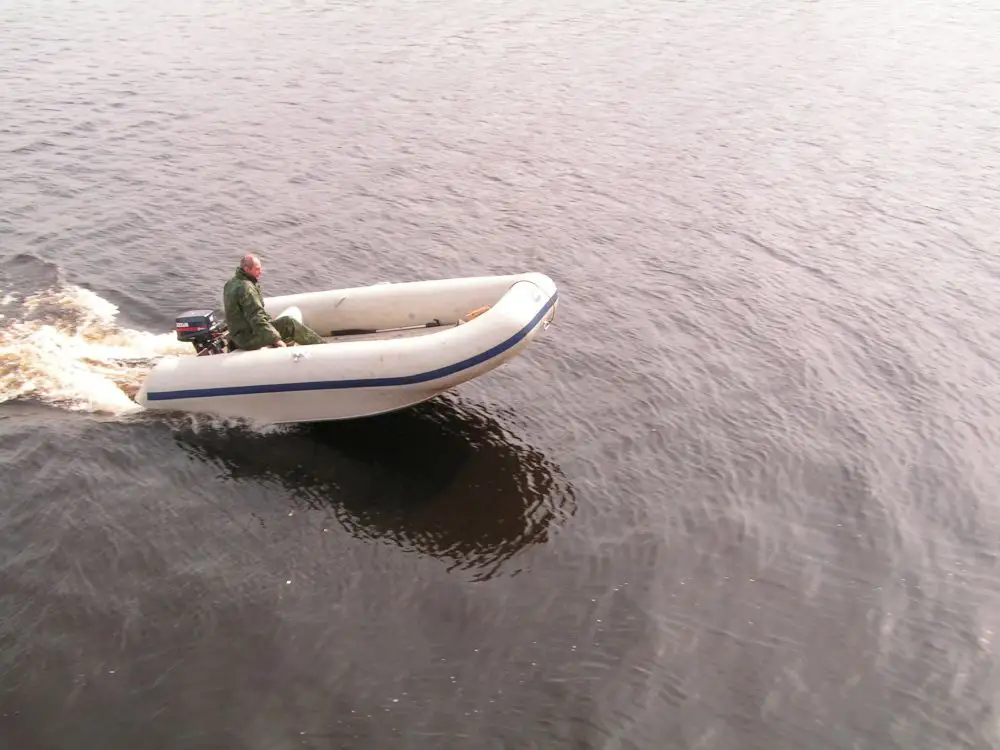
201 329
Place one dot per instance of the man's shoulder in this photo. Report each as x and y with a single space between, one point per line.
237 283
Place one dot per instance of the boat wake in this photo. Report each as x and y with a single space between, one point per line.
62 346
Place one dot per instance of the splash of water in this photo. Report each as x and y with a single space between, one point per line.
63 346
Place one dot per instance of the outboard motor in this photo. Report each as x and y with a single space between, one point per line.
203 331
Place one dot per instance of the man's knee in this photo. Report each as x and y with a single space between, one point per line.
285 326
292 330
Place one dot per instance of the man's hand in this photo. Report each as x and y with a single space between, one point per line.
279 343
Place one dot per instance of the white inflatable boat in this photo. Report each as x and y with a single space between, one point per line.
388 346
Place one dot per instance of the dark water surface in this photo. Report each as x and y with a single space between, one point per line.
743 494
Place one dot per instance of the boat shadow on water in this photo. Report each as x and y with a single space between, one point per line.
442 479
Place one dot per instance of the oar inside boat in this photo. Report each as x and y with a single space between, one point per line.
368 331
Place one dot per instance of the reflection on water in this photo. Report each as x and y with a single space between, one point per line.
441 478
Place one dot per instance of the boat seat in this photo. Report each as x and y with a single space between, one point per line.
291 312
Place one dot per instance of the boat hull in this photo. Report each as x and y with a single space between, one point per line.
363 374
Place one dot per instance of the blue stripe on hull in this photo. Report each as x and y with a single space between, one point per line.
325 385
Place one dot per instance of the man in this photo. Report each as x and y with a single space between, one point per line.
250 326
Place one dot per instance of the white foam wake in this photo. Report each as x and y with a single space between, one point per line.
63 346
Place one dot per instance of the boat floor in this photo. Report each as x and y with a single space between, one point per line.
387 335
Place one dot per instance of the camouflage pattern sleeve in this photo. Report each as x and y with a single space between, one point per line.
254 313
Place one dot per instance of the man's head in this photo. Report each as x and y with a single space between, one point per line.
251 264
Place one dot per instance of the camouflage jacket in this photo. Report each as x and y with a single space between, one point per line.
249 324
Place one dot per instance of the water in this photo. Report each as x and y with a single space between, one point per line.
743 494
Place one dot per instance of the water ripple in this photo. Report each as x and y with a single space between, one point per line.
743 494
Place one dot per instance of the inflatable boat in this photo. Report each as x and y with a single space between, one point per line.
386 347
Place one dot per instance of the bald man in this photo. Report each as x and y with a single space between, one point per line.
250 326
